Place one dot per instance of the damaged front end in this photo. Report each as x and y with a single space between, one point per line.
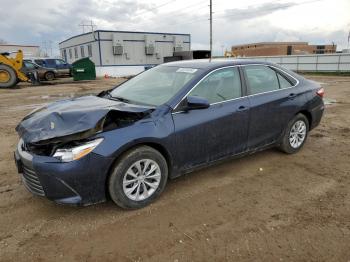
71 123
55 155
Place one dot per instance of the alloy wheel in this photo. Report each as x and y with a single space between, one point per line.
141 180
297 134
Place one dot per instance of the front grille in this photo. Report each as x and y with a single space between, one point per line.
31 182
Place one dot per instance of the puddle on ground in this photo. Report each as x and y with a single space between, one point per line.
329 101
58 96
24 107
321 83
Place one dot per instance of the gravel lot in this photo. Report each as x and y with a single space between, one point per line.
265 207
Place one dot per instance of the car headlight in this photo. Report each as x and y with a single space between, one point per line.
76 152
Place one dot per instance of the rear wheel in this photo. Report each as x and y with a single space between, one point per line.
49 76
138 178
295 134
8 77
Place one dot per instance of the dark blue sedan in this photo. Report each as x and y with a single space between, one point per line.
126 142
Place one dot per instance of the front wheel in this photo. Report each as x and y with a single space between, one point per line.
295 134
8 77
138 178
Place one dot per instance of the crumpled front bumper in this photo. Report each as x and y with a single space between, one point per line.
80 182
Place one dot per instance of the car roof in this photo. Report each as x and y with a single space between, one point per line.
214 63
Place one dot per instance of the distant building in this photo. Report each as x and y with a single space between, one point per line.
120 53
28 50
281 48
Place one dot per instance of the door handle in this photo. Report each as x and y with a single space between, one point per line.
292 95
242 108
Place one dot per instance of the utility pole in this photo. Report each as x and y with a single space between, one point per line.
83 26
91 25
211 28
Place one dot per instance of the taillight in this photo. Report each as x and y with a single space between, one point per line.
320 92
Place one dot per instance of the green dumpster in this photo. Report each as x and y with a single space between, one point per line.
84 69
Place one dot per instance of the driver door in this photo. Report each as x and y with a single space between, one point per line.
206 135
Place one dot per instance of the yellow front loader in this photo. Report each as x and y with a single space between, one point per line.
10 73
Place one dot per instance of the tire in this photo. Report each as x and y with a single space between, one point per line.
7 72
49 76
295 135
125 180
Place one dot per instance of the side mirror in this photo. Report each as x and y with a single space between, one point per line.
196 102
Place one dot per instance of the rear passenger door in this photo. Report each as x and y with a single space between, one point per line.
273 102
62 66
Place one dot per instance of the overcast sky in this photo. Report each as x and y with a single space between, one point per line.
235 22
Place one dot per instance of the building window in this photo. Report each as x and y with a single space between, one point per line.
76 52
89 50
70 54
82 51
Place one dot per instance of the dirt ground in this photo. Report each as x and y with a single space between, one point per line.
265 207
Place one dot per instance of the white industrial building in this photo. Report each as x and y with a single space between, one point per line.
121 53
28 50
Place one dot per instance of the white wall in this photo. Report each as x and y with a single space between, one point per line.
118 71
134 47
28 51
78 41
317 63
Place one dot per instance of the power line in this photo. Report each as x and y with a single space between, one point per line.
155 8
189 7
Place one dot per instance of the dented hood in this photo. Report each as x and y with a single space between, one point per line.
83 116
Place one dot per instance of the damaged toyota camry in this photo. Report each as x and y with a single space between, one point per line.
125 143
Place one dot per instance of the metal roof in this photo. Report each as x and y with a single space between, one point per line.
19 45
273 43
133 32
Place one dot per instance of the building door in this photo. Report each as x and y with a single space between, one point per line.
289 50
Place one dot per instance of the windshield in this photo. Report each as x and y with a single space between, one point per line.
155 86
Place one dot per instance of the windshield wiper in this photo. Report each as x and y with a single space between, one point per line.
122 99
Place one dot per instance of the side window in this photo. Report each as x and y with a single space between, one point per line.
76 52
221 85
70 54
39 62
59 62
51 62
261 79
82 51
89 50
28 65
284 83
